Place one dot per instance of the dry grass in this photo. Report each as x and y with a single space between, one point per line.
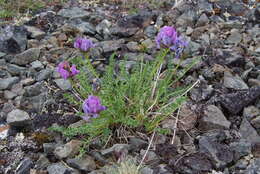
126 167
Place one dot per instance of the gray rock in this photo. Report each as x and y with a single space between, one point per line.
187 19
37 65
9 94
150 31
82 26
48 148
146 170
240 149
235 102
204 6
34 90
35 103
123 32
8 82
235 37
18 118
42 162
254 167
15 69
137 143
253 82
63 84
248 132
103 28
35 33
115 147
2 54
58 168
25 166
234 82
203 20
43 74
111 45
13 39
213 118
68 150
251 112
74 12
27 56
133 46
85 163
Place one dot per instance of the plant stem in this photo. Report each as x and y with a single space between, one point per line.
89 65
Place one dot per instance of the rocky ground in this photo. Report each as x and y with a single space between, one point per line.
218 129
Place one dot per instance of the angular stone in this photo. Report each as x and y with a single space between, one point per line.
248 132
35 33
82 26
58 168
74 12
68 150
27 56
43 74
25 166
234 82
85 163
15 70
13 39
18 118
235 102
8 82
63 84
213 118
111 45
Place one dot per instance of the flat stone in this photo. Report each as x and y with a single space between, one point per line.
37 65
82 26
111 45
8 82
18 118
27 56
85 163
9 94
74 12
35 33
63 84
68 150
15 69
58 168
43 74
234 82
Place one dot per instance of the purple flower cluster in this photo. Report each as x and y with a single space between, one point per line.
83 44
66 71
92 107
168 38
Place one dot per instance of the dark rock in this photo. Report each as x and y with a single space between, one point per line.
150 31
123 32
235 102
13 39
42 162
203 20
137 143
34 90
25 166
27 56
194 163
187 19
34 103
35 33
213 145
142 19
70 149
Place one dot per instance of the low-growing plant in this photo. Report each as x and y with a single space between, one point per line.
125 167
139 99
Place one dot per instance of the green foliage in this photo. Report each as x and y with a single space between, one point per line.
141 98
125 167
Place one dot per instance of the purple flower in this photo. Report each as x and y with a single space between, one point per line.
92 107
66 71
83 44
168 38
